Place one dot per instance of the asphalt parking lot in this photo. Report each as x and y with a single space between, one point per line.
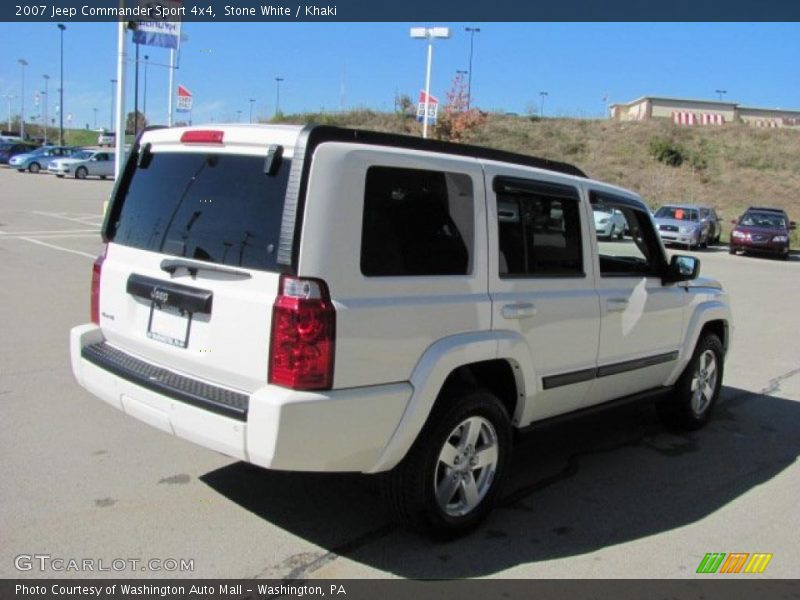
612 496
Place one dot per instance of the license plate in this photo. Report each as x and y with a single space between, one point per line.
169 325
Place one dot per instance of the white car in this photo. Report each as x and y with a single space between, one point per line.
106 139
404 319
609 222
86 163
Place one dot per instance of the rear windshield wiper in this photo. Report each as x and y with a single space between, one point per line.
170 265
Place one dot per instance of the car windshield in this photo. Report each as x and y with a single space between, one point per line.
678 213
83 155
765 220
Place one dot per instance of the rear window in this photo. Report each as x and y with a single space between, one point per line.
219 208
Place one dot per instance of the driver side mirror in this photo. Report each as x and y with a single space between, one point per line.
682 268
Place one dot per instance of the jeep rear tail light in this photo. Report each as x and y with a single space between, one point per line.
303 335
202 136
97 270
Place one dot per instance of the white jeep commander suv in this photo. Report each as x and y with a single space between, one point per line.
323 299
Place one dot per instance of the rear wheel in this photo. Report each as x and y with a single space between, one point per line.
697 389
731 249
34 167
450 479
81 173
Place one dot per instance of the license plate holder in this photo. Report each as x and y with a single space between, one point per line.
169 325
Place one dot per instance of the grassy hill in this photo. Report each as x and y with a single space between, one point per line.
728 167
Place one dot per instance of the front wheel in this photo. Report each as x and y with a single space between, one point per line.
698 388
35 167
81 173
451 477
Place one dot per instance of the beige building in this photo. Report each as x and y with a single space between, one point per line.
684 111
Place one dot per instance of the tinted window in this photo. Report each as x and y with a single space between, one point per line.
539 229
678 213
639 251
219 208
416 223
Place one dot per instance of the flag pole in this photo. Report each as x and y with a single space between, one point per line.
171 85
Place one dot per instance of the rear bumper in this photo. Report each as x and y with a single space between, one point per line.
273 427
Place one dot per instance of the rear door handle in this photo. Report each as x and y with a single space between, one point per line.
616 304
518 311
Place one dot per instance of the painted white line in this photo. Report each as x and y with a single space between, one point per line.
48 232
61 248
55 216
96 235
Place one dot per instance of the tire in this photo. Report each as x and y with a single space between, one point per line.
102 176
697 390
621 234
34 167
732 250
81 173
468 491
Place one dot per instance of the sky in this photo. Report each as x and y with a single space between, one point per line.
331 66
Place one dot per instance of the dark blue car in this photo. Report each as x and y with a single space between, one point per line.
12 149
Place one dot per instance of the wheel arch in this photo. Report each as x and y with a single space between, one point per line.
713 316
499 362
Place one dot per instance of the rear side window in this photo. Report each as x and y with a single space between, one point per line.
220 208
417 222
539 229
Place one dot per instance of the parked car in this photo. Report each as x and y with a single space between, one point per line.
41 157
608 222
9 149
710 215
106 139
461 296
762 230
681 224
85 163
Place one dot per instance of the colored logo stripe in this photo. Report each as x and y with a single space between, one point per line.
758 562
711 562
734 562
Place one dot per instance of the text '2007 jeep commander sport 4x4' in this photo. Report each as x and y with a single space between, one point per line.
322 299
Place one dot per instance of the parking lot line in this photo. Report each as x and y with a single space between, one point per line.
54 247
48 232
82 220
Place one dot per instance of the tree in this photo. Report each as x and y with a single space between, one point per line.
141 122
457 123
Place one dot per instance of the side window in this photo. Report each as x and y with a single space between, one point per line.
638 252
417 222
539 229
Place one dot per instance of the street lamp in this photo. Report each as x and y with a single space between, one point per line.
541 109
61 27
95 117
721 92
9 98
144 107
23 63
251 100
44 108
238 115
111 121
472 31
428 33
278 95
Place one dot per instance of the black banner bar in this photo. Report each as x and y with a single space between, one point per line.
418 11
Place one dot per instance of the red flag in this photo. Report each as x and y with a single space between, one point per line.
182 91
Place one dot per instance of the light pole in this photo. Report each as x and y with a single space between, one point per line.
44 108
95 117
541 109
472 31
429 33
9 98
721 92
278 95
61 27
111 121
238 115
23 63
144 102
251 100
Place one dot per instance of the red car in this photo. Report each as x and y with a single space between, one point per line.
762 230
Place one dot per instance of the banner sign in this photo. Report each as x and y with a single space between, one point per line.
155 31
184 100
433 108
